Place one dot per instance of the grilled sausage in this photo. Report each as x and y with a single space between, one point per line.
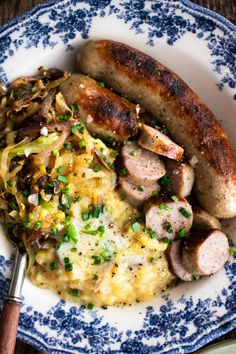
155 141
102 111
136 195
174 257
181 178
141 166
205 251
168 218
164 95
204 220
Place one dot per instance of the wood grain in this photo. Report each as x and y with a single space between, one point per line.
8 326
12 8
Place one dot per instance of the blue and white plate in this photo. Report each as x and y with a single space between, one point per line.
201 47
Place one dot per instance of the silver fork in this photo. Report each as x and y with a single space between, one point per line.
12 304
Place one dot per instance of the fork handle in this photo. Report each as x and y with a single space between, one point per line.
9 325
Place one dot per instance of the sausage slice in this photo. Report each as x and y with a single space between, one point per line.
169 218
155 141
102 111
181 178
136 195
174 257
203 219
205 251
140 167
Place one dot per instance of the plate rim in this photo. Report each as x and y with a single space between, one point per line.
229 27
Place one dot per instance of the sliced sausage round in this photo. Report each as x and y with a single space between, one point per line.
174 257
205 251
155 141
181 178
169 218
136 195
203 219
140 167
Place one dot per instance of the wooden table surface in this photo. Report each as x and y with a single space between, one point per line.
12 8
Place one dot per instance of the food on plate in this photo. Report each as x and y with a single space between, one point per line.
205 251
95 189
168 217
154 140
140 166
174 256
204 220
181 176
167 97
101 110
134 194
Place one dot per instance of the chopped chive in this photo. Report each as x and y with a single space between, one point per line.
83 174
90 232
26 224
68 267
101 230
167 226
174 198
95 277
64 117
164 206
135 227
153 234
72 234
185 213
60 169
81 127
82 144
53 265
232 251
66 260
90 306
181 232
74 292
96 168
133 153
95 212
66 238
140 218
38 225
155 193
105 255
13 206
85 216
123 171
113 153
58 245
87 227
62 179
26 192
196 277
96 260
67 220
74 129
152 260
74 107
10 183
140 189
53 229
165 240
164 181
101 84
74 249
68 146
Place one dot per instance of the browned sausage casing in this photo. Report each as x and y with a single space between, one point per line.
166 96
102 111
